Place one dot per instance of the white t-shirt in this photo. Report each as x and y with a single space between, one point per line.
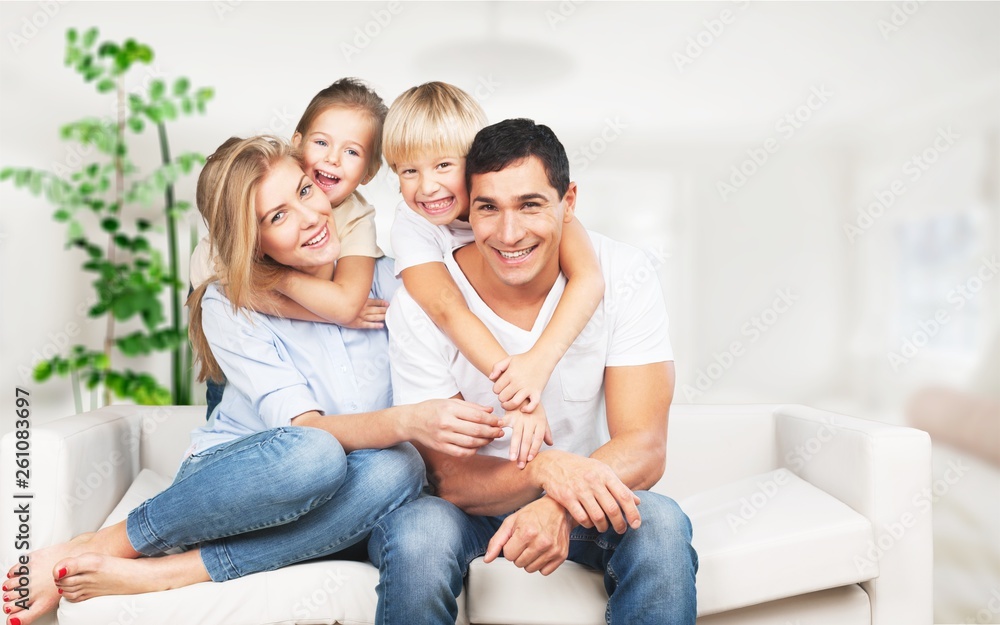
629 328
416 241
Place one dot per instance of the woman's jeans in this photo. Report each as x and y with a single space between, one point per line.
423 551
275 498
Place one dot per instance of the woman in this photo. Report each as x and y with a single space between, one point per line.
304 454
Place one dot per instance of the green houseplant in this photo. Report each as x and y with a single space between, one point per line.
101 202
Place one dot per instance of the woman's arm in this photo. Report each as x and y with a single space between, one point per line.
452 427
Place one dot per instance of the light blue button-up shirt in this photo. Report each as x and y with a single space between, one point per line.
277 369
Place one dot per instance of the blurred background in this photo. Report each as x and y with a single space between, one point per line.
817 184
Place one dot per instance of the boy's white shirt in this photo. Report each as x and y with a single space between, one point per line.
416 241
354 220
629 328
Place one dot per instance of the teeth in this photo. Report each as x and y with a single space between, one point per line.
319 237
513 255
438 204
320 174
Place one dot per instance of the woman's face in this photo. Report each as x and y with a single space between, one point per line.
295 221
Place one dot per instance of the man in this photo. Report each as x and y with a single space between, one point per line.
578 500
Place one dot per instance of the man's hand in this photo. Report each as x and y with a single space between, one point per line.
535 538
588 489
453 426
528 431
371 317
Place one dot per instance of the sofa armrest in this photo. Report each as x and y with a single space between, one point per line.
80 467
883 472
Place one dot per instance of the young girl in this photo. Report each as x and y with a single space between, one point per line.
428 132
305 453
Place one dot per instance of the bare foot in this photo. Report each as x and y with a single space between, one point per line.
28 595
95 575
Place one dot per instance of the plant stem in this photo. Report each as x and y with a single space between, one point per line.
109 331
177 384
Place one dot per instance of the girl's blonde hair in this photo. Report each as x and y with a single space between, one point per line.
351 94
433 118
226 197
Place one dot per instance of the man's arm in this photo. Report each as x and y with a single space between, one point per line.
638 405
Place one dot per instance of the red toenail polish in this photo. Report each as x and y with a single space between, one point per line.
15 621
6 609
60 590
62 573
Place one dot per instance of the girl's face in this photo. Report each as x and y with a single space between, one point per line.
336 149
295 221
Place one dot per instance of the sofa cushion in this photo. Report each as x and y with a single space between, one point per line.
758 539
324 591
146 484
772 536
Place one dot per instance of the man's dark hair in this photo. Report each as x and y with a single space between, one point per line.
502 144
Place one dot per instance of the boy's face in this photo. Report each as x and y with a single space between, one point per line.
434 187
517 218
335 151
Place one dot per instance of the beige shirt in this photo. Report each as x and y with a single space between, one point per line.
355 223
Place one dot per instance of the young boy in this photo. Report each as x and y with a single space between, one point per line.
427 134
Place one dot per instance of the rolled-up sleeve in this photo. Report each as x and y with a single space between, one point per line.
255 363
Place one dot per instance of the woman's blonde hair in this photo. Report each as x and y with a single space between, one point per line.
351 94
433 118
226 197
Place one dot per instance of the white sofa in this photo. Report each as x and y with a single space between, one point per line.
800 517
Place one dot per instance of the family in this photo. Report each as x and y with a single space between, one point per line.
462 420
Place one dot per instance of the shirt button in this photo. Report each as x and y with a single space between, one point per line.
353 406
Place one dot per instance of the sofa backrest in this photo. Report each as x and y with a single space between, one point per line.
712 445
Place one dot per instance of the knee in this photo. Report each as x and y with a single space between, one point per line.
405 468
665 531
320 464
425 531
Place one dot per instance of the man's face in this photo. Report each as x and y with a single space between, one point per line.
517 218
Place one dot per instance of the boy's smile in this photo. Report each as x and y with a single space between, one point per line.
434 188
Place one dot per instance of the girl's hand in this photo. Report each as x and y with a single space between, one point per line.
371 317
519 379
529 430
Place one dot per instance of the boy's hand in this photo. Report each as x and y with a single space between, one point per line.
371 317
519 379
529 430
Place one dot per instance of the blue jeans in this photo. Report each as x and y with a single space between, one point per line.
213 395
424 548
275 498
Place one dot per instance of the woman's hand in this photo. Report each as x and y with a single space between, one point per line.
453 426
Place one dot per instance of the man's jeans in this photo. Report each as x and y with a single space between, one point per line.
274 498
424 548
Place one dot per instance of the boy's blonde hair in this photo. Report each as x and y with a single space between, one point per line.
227 198
432 118
351 94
